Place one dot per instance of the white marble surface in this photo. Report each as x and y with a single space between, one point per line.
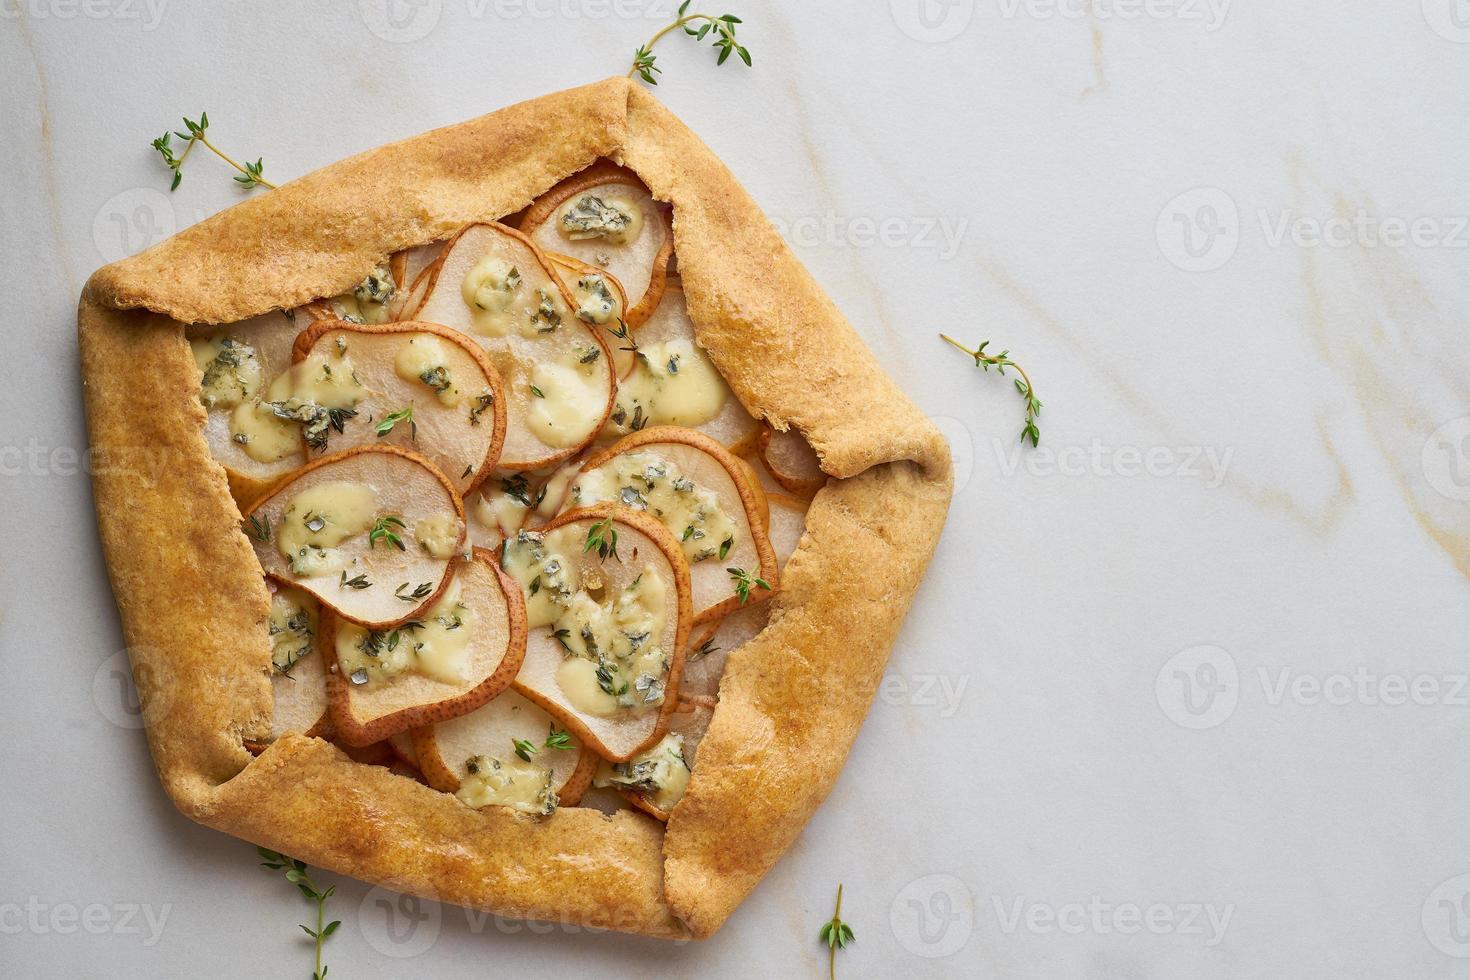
1252 487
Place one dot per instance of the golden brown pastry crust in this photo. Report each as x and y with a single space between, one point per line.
791 700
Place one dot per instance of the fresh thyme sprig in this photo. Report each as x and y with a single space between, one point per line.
723 27
558 740
248 177
383 530
1023 384
744 582
393 418
604 538
296 874
258 527
525 748
835 934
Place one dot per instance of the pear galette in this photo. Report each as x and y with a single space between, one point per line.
505 516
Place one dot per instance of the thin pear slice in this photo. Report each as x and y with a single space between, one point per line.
402 745
654 780
711 646
438 375
494 285
607 593
791 461
703 496
298 670
409 267
459 653
674 382
237 363
601 301
605 216
500 730
370 532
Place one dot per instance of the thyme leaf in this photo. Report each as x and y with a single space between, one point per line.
1023 384
835 934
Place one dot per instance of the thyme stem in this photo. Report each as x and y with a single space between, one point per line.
226 158
1000 362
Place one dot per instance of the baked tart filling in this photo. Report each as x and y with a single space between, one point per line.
512 518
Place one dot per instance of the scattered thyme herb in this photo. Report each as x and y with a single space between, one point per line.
744 582
705 649
517 489
383 530
604 538
421 591
258 527
248 177
393 418
725 547
482 402
560 636
524 748
723 27
537 392
1023 384
835 935
297 875
358 581
558 740
622 333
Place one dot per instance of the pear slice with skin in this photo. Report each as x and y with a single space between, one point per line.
402 745
298 669
696 457
266 341
458 407
576 586
324 514
690 721
601 302
791 461
712 645
492 284
694 395
640 264
409 267
490 730
483 602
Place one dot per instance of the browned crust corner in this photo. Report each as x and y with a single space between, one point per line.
792 700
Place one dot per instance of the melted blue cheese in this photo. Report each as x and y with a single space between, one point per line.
319 519
672 383
660 775
614 657
230 371
292 626
305 402
648 482
436 645
513 783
